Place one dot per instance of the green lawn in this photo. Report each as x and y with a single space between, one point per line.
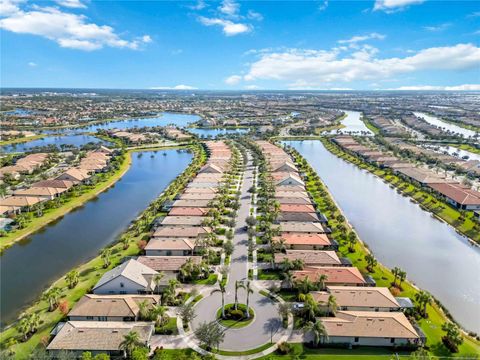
211 280
269 274
170 328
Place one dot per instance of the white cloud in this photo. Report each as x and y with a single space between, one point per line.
315 68
66 29
253 15
9 7
229 27
252 87
464 87
177 87
147 39
233 80
437 28
200 4
229 7
32 64
357 39
75 4
323 6
394 5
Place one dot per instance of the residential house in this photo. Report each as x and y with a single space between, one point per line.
170 247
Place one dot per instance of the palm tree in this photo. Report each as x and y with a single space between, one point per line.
160 314
322 279
332 304
304 285
318 330
402 275
143 309
249 291
221 289
130 342
310 307
51 295
288 279
238 285
371 262
352 240
157 279
24 327
72 278
396 271
105 255
423 298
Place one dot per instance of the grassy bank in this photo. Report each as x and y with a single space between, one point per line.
425 199
431 326
50 215
21 140
370 125
466 147
91 271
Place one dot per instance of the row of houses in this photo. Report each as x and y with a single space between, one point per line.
25 165
99 321
456 194
367 315
45 190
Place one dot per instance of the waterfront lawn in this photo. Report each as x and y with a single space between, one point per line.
71 203
21 140
382 275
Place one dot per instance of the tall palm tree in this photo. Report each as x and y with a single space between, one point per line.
238 285
221 289
161 316
105 255
24 326
72 278
423 298
321 282
332 305
130 342
157 279
318 329
249 291
304 285
395 271
402 275
52 295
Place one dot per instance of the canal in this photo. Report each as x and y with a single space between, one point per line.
445 125
58 140
353 124
401 234
32 264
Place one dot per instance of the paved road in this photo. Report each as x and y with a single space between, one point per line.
266 313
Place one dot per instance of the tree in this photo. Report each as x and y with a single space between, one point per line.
402 275
321 282
248 290
251 221
318 330
304 285
130 342
144 310
72 279
24 327
157 279
352 240
210 334
221 289
228 247
125 241
284 309
423 298
332 304
238 285
310 308
187 312
452 336
159 314
52 295
105 255
371 262
420 354
395 271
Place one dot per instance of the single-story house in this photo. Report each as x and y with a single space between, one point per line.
310 257
93 307
182 231
167 264
355 298
296 201
336 275
370 329
304 241
75 175
45 193
283 166
297 208
204 196
298 217
189 190
460 196
290 179
188 211
97 336
301 227
191 203
131 277
291 194
211 169
170 247
183 220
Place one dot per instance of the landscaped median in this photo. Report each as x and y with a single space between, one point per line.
356 252
90 272
464 224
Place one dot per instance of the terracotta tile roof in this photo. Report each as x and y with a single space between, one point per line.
183 220
188 211
296 208
187 244
304 239
298 201
459 193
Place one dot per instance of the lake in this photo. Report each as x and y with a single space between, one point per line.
32 264
446 126
75 140
400 233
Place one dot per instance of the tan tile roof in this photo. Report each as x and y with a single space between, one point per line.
111 305
167 263
335 274
20 201
171 244
183 220
191 203
298 201
130 269
37 191
302 227
204 196
370 324
188 211
357 296
310 257
98 335
181 231
296 208
291 194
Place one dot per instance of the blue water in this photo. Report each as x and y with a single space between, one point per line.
76 140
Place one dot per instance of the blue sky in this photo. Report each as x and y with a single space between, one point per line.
377 44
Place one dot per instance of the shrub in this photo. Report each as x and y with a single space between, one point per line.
235 314
449 344
284 348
